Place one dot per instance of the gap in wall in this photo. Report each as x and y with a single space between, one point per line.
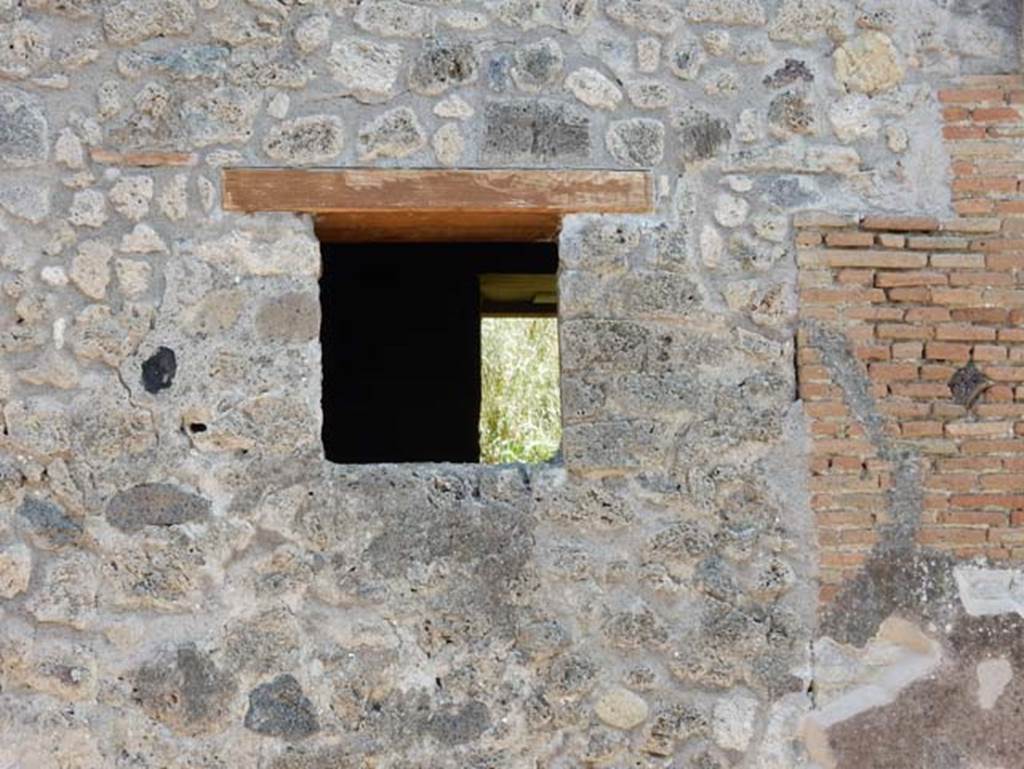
403 357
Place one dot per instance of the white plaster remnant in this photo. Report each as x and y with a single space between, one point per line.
712 246
985 592
15 569
90 268
622 709
68 150
648 54
733 721
730 210
88 209
53 275
850 681
59 328
869 64
594 89
454 107
993 677
143 239
448 144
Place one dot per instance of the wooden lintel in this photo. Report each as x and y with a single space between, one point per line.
437 226
451 192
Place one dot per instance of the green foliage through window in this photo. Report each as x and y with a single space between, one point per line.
520 413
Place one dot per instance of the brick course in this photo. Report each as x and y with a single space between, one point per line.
917 299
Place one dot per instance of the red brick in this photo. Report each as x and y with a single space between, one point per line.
980 314
957 296
893 372
932 372
826 409
900 223
995 115
955 114
997 245
960 464
1005 261
832 296
972 225
892 279
970 95
984 184
1003 481
921 429
946 410
992 447
873 313
1004 297
964 332
916 294
847 518
859 536
951 261
856 277
960 132
957 482
927 315
1007 501
904 409
973 207
980 429
903 331
814 390
1005 373
989 352
848 238
939 536
976 518
1010 206
907 350
987 279
872 352
808 238
920 390
881 259
947 351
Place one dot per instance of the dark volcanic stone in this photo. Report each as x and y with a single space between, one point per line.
967 384
453 725
537 130
155 504
50 521
442 65
184 690
158 370
702 136
791 72
280 709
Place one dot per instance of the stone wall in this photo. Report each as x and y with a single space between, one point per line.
184 582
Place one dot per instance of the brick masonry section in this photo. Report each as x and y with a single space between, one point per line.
911 354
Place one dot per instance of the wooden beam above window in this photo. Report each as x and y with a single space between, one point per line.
374 205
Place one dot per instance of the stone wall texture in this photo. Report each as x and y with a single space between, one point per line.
730 566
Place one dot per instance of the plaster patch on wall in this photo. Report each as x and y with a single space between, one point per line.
984 592
993 676
851 681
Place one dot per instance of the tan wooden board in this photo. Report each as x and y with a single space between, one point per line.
348 190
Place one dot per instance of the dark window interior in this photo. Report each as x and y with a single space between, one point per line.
401 342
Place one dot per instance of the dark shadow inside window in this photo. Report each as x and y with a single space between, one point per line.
401 342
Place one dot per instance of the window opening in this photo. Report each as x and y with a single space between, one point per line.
439 352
